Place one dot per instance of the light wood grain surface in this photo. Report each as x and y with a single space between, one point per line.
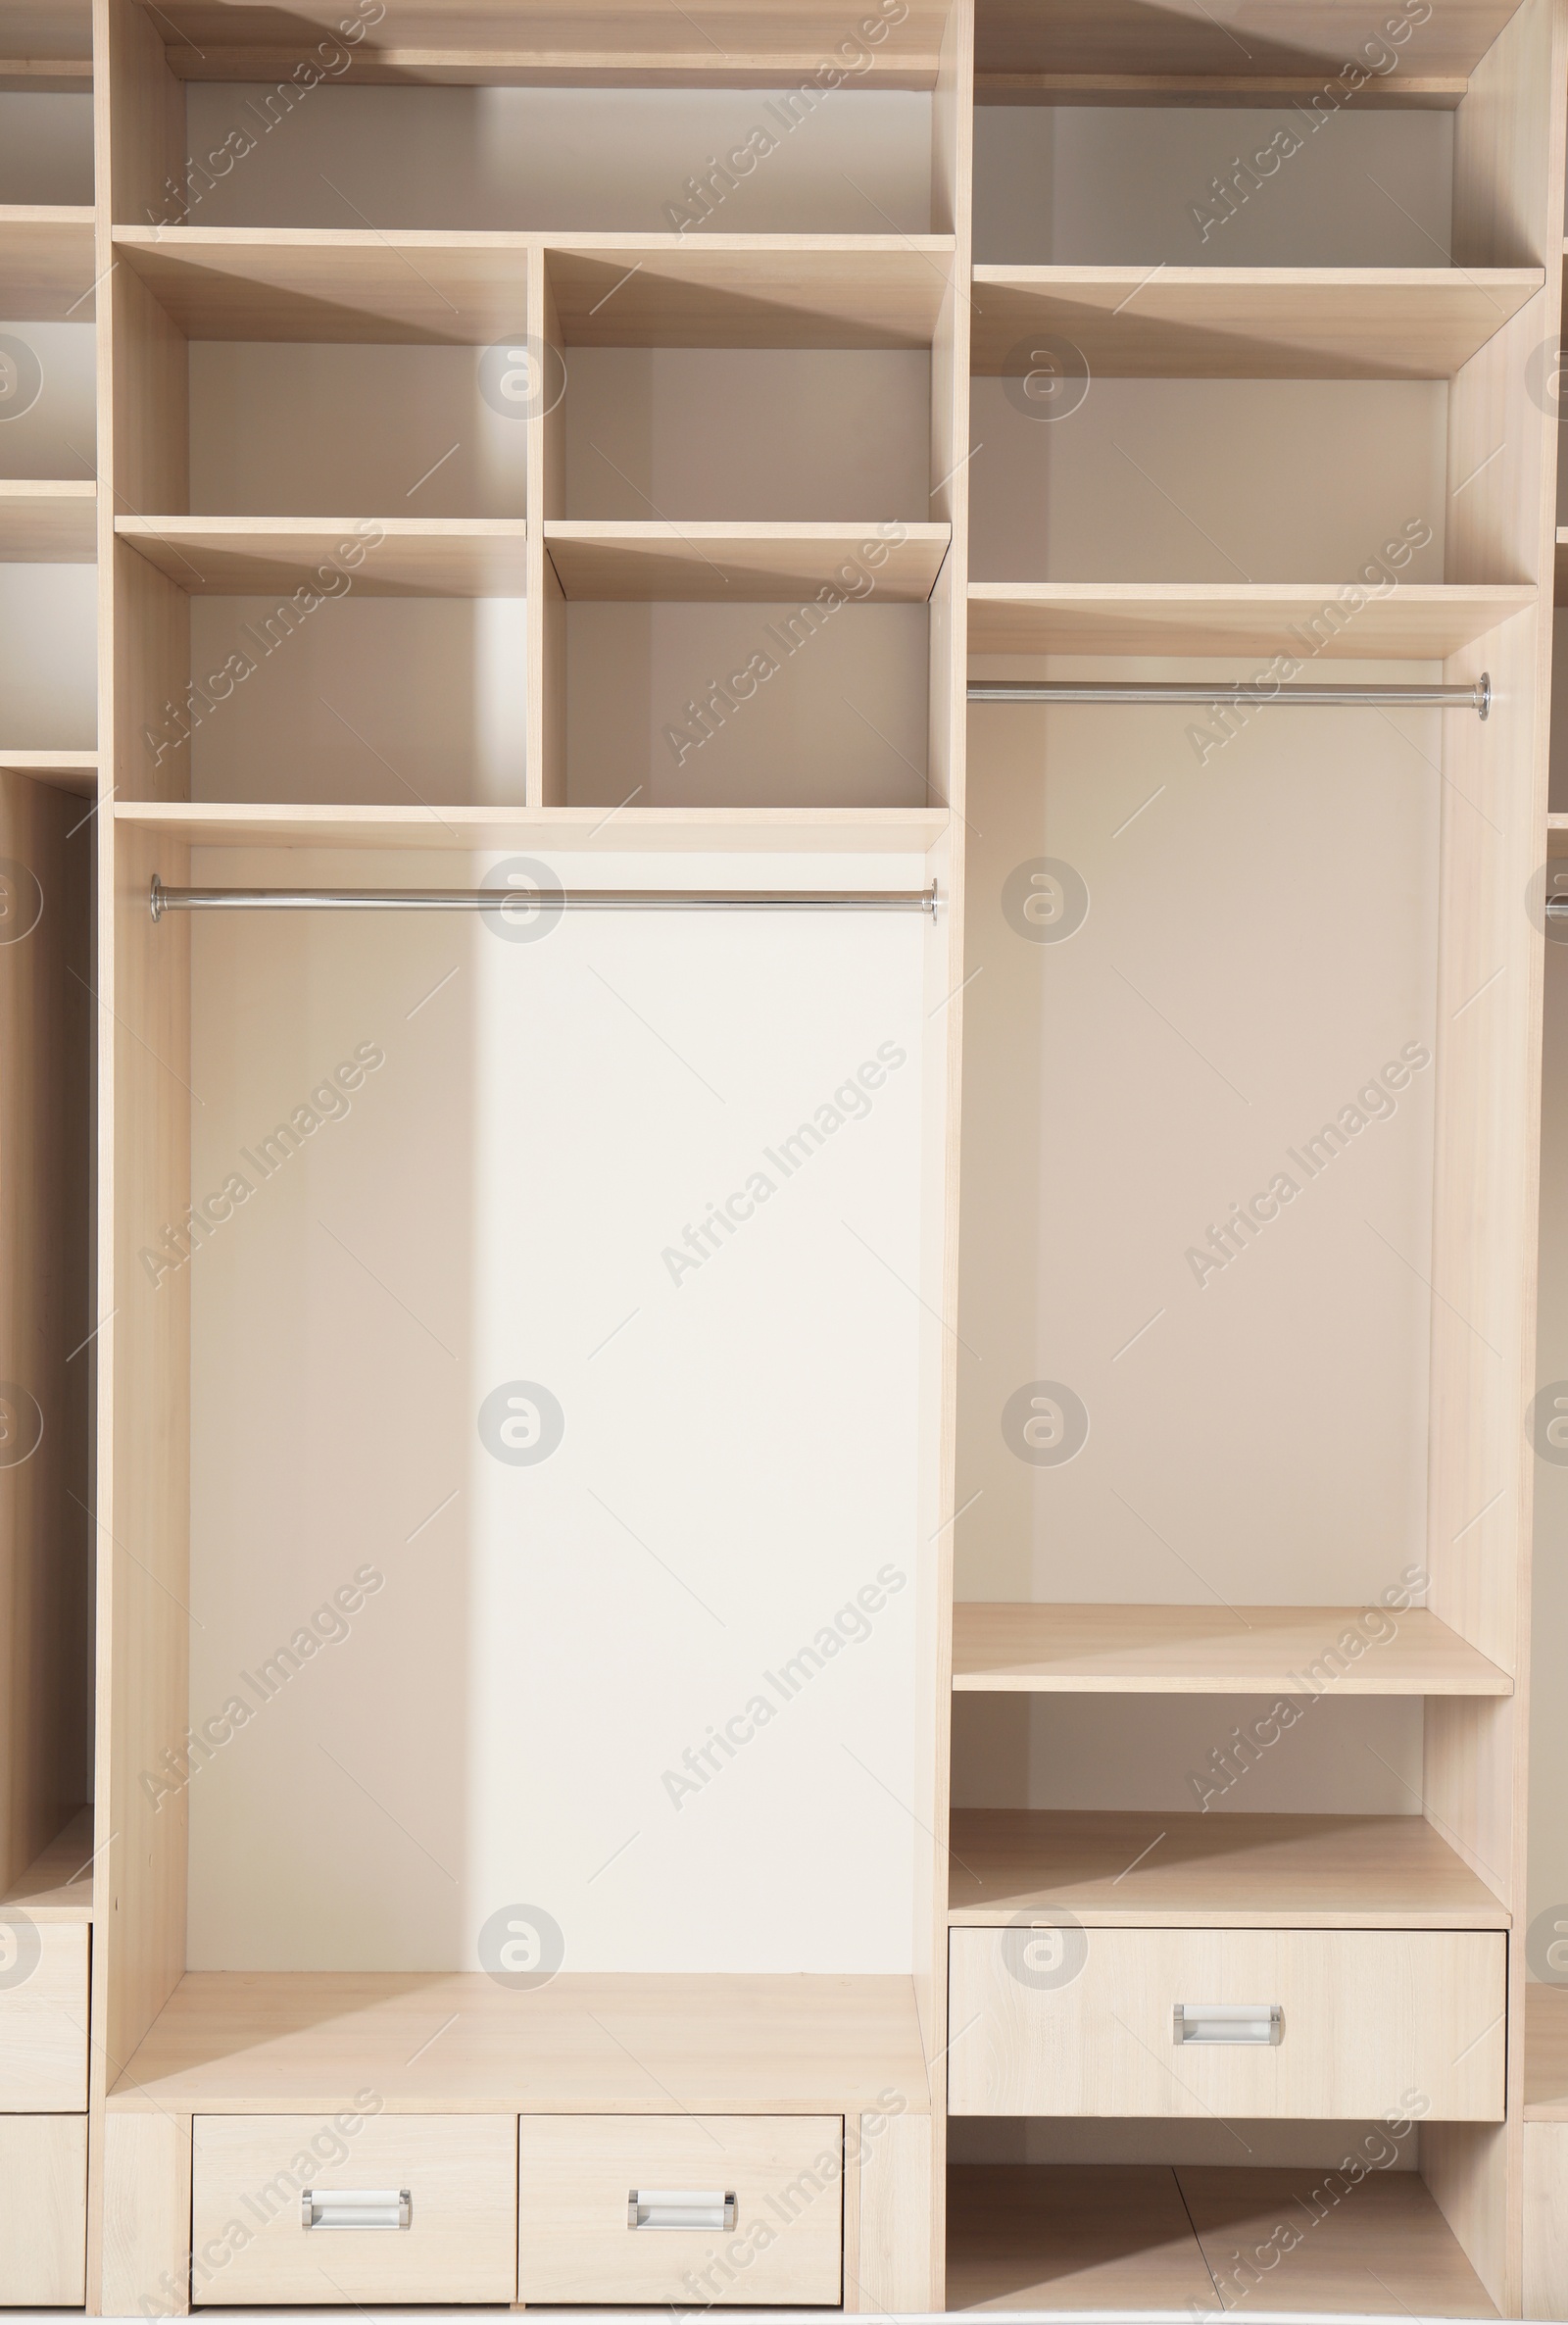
64 771
752 563
1120 1869
791 831
1246 323
582 2045
1304 1651
1418 620
1378 2247
460 2243
43 2210
576 2174
246 283
46 266
1367 2014
1266 47
1546 2219
44 2019
413 557
145 2178
542 42
1546 2052
1078 2237
58 1884
751 290
54 523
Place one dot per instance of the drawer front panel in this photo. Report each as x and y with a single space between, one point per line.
580 2179
43 2211
43 2016
251 2176
1365 2017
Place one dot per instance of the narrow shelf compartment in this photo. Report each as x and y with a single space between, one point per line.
598 560
1246 323
58 1884
1122 1869
1076 54
400 556
67 771
786 831
1154 2238
1201 1651
751 290
1559 594
252 2042
1545 2054
48 523
46 263
411 41
1416 621
252 282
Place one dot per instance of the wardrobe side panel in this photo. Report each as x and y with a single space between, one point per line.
546 770
144 1482
146 2214
898 2156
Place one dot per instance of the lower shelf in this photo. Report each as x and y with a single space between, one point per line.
1151 2237
463 2043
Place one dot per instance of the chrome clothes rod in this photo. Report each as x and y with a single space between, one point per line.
494 899
1476 697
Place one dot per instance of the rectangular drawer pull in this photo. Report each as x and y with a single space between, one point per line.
1228 2022
709 2211
356 2208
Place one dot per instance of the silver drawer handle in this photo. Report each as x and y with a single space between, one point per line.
1228 2022
709 2209
356 2208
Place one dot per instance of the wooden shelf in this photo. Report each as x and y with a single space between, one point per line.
1546 2053
58 1884
1131 2238
415 556
1203 1651
250 2042
1557 835
67 771
54 523
1075 2236
751 290
245 282
1120 1869
1417 621
612 290
1246 323
1077 52
735 563
1559 593
608 830
46 263
540 44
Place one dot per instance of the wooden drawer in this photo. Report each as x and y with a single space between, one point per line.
578 2176
1367 2017
43 2017
43 2211
249 2177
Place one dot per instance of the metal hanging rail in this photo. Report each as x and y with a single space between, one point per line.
164 900
1241 695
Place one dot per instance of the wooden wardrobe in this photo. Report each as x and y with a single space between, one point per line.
785 1273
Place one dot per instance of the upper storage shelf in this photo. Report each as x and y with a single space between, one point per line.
543 44
46 45
469 289
1246 323
1123 52
1201 1650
